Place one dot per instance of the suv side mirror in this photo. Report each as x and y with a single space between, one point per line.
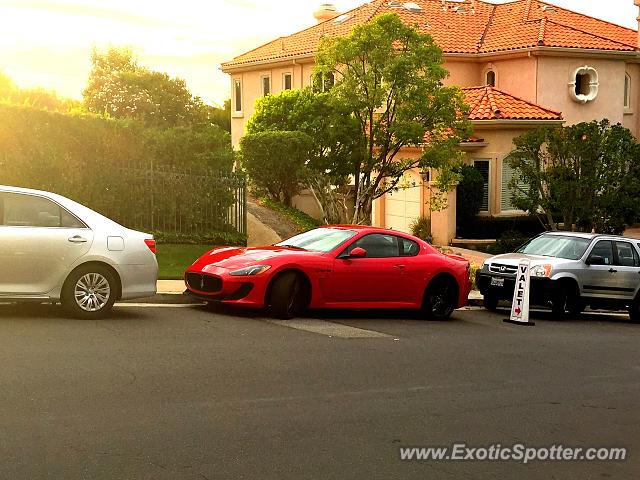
358 253
595 260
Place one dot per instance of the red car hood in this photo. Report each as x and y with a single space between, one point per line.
233 258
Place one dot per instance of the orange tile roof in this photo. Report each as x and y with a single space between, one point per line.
458 29
489 103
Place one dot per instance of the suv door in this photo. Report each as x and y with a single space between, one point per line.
600 280
39 242
627 264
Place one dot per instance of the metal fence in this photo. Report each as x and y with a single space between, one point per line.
173 200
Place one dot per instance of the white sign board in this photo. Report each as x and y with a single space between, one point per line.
520 304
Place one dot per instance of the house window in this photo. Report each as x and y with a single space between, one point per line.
322 82
583 86
286 81
237 95
265 83
483 167
627 91
491 78
509 174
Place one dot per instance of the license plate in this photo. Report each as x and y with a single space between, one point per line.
497 282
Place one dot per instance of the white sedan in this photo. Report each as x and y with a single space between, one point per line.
53 249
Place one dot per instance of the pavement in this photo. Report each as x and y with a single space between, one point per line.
176 392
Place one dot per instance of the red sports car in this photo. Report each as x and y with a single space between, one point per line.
342 266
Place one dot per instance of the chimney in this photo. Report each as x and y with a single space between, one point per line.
327 11
637 4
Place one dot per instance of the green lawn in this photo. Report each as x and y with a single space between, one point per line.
173 259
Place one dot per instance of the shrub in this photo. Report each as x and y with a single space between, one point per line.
275 162
211 238
507 243
421 228
469 194
494 227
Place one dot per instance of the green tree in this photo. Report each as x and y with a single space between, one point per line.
37 98
587 173
336 144
390 77
275 162
121 88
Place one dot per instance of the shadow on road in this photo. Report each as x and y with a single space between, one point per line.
39 311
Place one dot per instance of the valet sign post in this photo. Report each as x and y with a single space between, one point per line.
520 305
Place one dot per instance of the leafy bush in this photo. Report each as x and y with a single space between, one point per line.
211 238
473 275
507 243
421 228
275 162
303 221
107 165
469 194
494 227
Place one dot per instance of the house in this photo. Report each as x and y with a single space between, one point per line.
520 64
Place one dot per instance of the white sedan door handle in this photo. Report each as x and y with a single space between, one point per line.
77 239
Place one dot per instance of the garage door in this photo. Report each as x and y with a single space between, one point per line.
401 208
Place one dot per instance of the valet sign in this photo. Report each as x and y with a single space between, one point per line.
520 304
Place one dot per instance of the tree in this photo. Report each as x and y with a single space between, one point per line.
390 77
120 87
37 98
275 161
335 142
587 173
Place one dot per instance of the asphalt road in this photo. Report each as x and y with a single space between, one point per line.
184 393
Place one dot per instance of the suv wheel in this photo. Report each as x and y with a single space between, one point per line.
634 310
560 300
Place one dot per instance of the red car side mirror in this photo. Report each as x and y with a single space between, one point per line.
358 253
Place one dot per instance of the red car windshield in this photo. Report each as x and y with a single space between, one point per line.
319 240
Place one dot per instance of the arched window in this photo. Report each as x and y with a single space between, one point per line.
627 90
491 78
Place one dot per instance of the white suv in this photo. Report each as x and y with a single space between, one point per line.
570 271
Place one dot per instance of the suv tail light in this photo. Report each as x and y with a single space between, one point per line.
151 243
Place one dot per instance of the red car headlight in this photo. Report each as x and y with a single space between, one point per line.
250 271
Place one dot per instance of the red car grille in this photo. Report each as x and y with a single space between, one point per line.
204 283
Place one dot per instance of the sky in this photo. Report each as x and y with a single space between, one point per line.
48 43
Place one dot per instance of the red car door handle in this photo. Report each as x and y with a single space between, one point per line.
401 267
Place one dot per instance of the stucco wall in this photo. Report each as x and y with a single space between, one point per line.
516 76
462 73
554 75
252 90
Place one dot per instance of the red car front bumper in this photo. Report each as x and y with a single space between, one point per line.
215 284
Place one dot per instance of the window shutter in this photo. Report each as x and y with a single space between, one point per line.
508 174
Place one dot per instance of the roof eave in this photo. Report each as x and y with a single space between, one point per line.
516 122
229 67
